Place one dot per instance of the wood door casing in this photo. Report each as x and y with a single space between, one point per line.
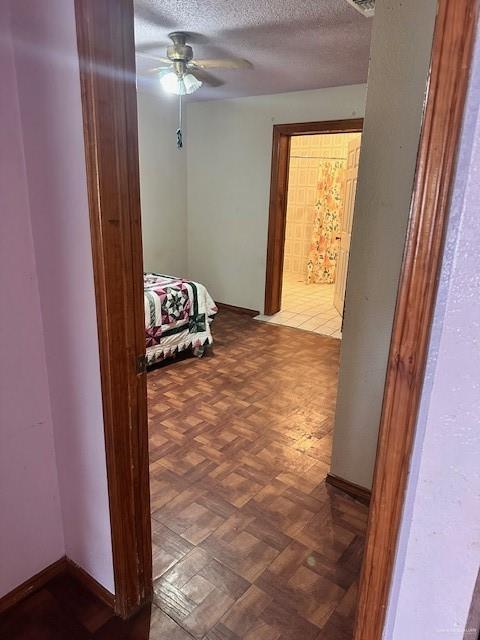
349 191
105 40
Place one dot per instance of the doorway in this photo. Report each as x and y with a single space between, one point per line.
308 242
126 450
322 178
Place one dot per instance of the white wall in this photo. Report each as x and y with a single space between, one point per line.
438 553
229 147
399 62
163 187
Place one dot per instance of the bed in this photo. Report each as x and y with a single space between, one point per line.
178 315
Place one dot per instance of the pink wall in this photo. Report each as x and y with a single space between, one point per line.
439 552
31 532
49 102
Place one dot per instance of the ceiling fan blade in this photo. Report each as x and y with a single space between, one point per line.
222 63
151 56
158 70
205 77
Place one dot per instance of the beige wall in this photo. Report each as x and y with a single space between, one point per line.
400 54
163 189
229 147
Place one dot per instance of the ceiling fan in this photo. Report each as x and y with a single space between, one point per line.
180 73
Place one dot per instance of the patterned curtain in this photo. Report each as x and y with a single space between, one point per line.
322 259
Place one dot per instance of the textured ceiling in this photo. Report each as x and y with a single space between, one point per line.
292 44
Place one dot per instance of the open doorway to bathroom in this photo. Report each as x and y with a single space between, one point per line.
311 226
321 195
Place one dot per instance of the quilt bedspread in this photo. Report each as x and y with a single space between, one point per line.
178 314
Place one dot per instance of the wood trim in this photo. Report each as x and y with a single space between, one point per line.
89 583
42 578
276 221
450 64
472 628
362 494
105 37
242 310
351 125
278 197
33 584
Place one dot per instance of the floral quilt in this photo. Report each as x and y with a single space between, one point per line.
178 314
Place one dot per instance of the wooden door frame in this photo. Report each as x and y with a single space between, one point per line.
106 46
105 39
277 217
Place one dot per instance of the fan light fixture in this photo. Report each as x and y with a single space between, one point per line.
179 71
180 84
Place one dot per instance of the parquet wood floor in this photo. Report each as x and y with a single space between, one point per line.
249 542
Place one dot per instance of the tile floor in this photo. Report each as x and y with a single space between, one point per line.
308 307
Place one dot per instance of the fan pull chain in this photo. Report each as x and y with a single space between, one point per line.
179 130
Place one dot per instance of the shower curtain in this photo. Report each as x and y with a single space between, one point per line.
322 259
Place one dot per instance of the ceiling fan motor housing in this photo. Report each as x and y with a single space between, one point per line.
179 50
